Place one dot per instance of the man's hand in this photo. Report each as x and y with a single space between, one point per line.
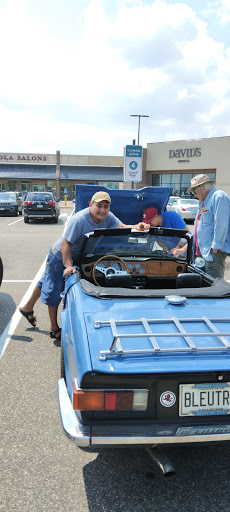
215 250
142 226
68 271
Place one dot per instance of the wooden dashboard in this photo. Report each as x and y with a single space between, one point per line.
148 268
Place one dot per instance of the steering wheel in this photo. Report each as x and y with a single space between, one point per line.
104 271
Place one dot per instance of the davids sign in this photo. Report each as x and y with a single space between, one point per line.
184 153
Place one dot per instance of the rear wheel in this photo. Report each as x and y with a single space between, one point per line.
55 220
26 220
20 213
62 361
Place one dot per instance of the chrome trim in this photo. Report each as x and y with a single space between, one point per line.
126 435
36 216
73 429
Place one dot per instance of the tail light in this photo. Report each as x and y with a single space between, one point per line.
183 209
109 400
52 203
26 203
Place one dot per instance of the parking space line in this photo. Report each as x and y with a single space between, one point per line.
14 321
17 281
18 220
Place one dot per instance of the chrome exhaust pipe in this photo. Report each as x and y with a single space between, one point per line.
161 460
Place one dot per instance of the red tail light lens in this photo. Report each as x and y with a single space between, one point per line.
106 400
183 210
27 202
52 203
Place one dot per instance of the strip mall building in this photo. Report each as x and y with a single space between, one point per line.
164 164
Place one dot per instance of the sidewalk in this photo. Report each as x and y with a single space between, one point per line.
69 204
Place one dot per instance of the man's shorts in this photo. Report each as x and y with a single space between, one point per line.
52 283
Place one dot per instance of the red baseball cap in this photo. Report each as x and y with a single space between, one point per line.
148 214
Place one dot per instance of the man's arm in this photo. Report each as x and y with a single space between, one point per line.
66 255
182 245
141 226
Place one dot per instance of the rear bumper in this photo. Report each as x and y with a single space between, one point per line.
40 215
126 435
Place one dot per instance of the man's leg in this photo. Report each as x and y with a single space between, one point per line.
53 318
216 267
29 306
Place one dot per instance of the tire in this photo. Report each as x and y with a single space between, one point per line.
55 220
62 361
1 271
20 213
26 220
16 212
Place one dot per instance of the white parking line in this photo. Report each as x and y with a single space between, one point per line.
14 321
18 220
17 281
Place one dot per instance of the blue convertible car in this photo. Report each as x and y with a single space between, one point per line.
145 356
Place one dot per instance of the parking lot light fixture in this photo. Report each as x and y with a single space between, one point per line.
139 121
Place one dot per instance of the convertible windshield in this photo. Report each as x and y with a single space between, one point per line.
153 243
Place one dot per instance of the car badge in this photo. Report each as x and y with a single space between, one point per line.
167 399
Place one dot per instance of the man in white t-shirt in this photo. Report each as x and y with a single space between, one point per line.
65 251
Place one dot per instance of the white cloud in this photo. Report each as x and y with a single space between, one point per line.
71 78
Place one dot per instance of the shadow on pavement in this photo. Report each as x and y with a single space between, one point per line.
124 480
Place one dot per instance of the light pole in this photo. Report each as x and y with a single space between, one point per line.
139 120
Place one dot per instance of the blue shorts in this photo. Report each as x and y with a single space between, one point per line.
52 283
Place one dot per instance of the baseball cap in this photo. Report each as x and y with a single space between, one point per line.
101 196
198 180
148 214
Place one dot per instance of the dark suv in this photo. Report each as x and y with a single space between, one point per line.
10 203
41 205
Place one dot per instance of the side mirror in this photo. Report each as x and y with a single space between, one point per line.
199 262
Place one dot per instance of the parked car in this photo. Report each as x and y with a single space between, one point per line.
1 270
10 203
171 199
145 351
186 208
41 205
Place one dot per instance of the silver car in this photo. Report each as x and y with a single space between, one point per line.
186 208
10 203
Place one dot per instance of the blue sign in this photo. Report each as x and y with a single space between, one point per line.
65 190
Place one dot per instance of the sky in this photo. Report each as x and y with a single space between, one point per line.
73 72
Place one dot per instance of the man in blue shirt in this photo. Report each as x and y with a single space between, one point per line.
169 219
65 251
212 224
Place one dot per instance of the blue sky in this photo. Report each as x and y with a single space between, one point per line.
72 73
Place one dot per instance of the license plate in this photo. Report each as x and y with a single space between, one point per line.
204 399
39 205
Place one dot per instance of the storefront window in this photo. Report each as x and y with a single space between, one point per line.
179 182
109 184
39 188
12 185
156 180
2 187
25 186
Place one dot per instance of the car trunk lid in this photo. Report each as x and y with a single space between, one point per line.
159 337
127 205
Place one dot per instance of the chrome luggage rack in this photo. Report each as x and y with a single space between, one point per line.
116 348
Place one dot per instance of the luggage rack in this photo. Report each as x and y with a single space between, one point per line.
116 348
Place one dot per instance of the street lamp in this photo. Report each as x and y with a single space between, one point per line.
139 117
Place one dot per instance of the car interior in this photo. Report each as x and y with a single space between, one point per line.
113 263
